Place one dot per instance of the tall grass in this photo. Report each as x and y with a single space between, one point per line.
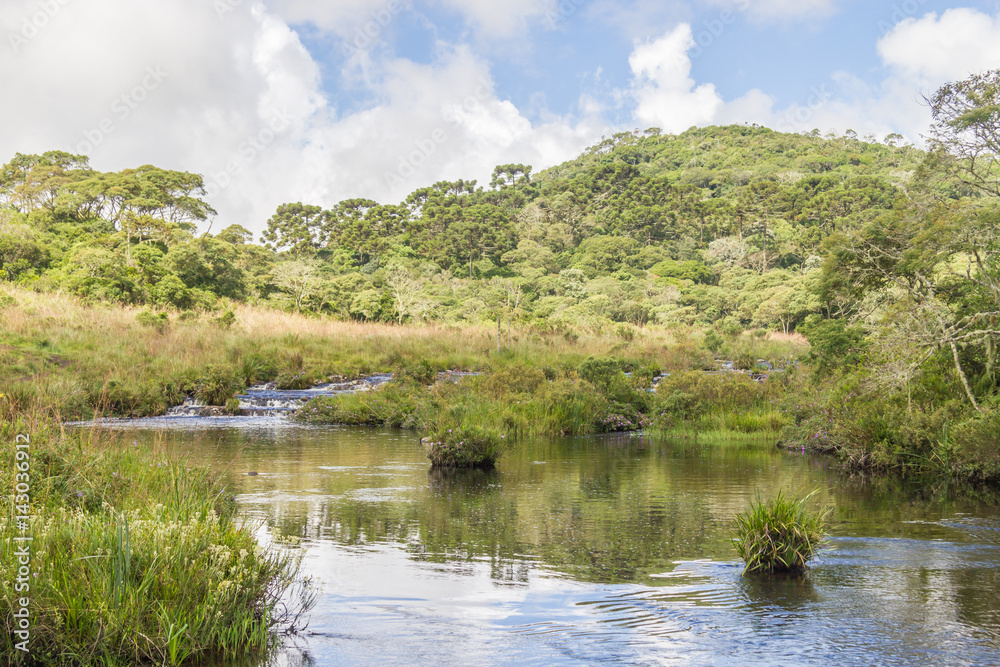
136 559
78 358
779 535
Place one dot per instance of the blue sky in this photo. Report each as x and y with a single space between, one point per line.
290 100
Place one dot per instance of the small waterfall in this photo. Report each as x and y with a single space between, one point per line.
266 399
191 407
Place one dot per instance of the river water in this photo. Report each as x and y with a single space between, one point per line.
611 549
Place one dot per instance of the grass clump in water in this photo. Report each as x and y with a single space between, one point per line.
780 535
464 448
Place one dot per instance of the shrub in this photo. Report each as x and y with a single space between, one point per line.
217 385
226 319
158 321
300 380
394 404
713 341
143 561
781 535
463 448
421 372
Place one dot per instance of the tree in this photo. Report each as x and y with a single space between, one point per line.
298 228
965 133
405 290
298 278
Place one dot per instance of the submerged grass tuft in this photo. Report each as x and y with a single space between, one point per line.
780 535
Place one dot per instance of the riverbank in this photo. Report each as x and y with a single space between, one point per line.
129 557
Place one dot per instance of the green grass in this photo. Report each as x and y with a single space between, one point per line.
780 535
136 559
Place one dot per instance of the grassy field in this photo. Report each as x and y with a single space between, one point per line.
77 359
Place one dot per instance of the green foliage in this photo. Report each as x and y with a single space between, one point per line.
713 341
294 380
690 270
780 535
834 344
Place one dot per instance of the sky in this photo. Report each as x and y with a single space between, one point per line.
310 101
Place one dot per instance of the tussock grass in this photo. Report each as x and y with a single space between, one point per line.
136 559
779 535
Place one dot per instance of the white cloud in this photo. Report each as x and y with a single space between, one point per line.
779 10
238 99
354 18
939 49
503 18
919 55
667 97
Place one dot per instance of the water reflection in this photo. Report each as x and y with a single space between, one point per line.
607 550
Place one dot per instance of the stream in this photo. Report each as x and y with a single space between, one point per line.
603 549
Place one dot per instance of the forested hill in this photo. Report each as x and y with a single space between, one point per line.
642 227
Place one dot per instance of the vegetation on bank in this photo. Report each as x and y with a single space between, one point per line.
515 399
779 535
136 559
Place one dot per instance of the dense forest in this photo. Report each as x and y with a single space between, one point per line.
884 256
722 223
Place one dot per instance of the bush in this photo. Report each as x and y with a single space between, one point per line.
421 372
396 404
781 535
217 385
300 380
463 448
226 319
977 442
713 341
158 321
180 580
